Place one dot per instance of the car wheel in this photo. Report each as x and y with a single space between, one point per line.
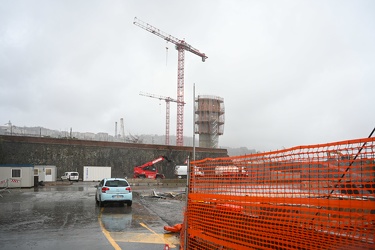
96 200
101 204
129 203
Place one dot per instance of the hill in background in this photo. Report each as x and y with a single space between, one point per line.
143 138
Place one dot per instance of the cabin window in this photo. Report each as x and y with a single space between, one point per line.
48 171
16 173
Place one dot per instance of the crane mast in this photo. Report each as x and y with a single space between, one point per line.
181 46
167 111
122 128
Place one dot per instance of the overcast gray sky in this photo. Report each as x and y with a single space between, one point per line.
290 72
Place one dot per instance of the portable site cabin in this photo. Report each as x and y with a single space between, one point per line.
96 173
16 175
46 173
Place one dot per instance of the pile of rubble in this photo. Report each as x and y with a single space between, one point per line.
180 195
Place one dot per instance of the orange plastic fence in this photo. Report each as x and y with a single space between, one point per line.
306 197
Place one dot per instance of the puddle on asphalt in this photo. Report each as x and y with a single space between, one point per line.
16 206
70 188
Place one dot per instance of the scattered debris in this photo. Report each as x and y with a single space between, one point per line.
155 195
174 229
167 195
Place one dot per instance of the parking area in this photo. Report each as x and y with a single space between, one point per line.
65 216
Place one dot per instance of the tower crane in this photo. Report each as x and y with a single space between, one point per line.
167 108
181 46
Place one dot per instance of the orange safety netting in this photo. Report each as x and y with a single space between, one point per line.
308 197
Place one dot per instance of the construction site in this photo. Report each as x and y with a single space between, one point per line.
318 196
306 197
208 110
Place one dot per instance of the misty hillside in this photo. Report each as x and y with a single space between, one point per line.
146 139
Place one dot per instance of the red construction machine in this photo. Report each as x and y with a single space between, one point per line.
148 170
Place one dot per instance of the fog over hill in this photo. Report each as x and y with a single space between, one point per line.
143 138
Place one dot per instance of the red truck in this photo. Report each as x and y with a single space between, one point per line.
148 170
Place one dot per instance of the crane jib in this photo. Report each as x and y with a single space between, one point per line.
169 38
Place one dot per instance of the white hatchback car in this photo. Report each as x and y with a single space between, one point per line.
113 190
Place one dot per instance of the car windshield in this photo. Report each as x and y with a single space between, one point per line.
74 174
116 183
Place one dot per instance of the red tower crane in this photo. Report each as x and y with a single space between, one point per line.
167 108
181 46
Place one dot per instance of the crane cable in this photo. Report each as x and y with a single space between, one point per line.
166 56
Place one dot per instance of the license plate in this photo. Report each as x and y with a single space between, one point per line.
117 196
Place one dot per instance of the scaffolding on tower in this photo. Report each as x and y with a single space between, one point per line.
209 120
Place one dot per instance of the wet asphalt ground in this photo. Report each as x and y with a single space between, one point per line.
66 216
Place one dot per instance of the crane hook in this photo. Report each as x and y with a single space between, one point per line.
166 56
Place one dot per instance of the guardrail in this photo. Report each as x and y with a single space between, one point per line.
158 182
4 184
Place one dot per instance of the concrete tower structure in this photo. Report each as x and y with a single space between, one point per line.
209 120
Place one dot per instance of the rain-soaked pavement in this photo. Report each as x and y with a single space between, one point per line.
66 217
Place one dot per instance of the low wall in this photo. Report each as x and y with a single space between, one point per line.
72 154
159 183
